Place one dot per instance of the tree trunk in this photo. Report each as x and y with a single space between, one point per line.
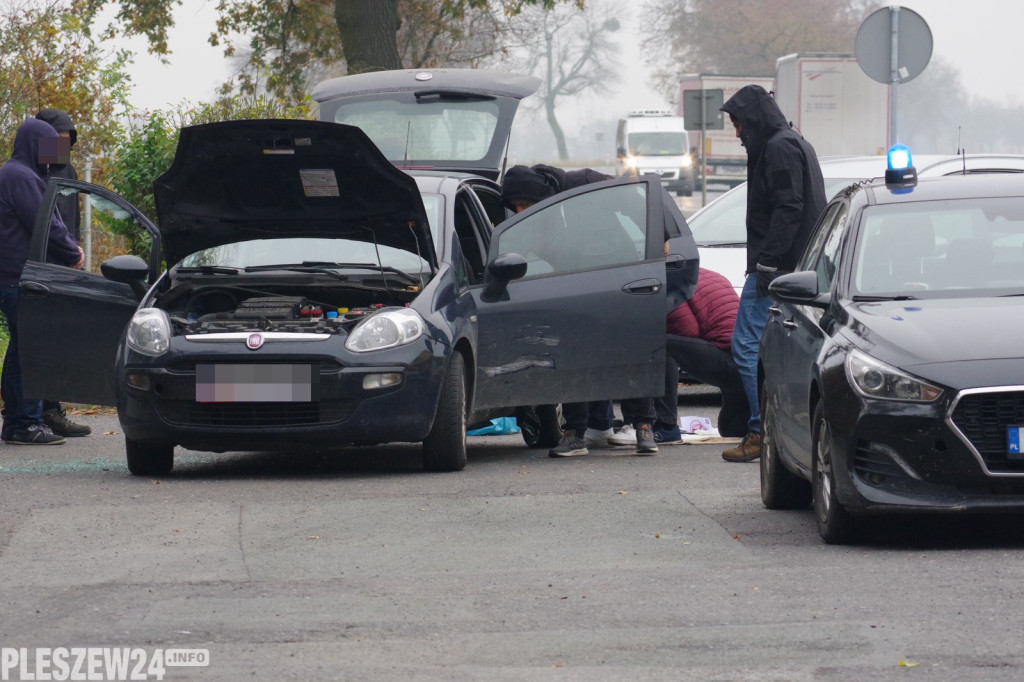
369 31
556 129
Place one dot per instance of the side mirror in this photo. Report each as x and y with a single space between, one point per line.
504 269
620 152
799 288
127 269
507 267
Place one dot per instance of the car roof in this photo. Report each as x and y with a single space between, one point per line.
942 188
927 165
479 81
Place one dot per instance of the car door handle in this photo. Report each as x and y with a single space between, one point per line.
775 311
789 324
643 286
34 290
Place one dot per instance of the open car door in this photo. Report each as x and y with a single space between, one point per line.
574 300
71 321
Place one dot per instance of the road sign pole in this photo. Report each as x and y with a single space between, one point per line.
894 75
703 148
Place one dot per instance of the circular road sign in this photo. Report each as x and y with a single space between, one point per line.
873 46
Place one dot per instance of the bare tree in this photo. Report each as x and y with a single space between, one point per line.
571 50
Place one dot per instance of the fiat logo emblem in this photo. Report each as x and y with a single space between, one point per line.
254 341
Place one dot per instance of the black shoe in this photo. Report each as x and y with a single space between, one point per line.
571 445
37 434
59 423
645 444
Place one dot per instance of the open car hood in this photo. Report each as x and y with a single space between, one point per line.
452 119
258 179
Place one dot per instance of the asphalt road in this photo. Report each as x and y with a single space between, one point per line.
359 566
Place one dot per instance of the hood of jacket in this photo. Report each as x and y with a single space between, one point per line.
26 144
759 116
61 122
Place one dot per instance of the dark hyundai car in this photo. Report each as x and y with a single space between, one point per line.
893 373
318 297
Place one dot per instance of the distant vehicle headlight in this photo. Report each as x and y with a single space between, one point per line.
629 162
386 329
874 379
149 332
687 161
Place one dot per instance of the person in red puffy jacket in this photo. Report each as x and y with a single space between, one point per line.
700 343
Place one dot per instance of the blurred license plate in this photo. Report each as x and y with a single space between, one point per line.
257 383
1013 442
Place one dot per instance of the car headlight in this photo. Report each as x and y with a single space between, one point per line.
629 162
875 379
149 332
385 329
687 161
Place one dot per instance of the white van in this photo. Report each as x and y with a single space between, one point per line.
655 141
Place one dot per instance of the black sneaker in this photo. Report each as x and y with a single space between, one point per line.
37 434
645 444
57 420
571 445
667 435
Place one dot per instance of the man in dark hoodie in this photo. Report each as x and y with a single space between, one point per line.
586 424
785 195
54 414
22 182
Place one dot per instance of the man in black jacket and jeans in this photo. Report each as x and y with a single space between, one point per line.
586 424
785 195
54 414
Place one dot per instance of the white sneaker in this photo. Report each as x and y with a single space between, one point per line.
595 438
624 436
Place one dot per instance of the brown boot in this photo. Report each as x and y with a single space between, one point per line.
747 451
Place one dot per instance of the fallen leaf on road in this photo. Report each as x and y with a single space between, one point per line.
908 665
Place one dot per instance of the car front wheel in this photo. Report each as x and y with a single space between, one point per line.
148 459
445 448
835 525
780 488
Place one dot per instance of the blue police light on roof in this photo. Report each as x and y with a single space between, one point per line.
901 176
899 156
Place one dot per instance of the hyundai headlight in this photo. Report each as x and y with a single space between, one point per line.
149 332
386 329
875 379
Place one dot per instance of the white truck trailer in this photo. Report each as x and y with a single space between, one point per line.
725 159
655 141
833 103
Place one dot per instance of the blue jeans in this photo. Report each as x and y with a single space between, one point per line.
19 413
751 319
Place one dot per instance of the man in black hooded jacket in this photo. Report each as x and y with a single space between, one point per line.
785 195
54 414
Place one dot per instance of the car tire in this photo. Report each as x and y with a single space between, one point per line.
835 525
445 447
780 488
148 459
541 425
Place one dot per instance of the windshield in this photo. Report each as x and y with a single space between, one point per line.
940 249
723 222
298 250
658 144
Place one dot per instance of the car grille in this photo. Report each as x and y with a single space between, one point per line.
983 419
188 413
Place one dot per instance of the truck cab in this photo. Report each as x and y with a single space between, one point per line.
655 141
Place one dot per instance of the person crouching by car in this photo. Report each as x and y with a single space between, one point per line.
22 182
700 344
